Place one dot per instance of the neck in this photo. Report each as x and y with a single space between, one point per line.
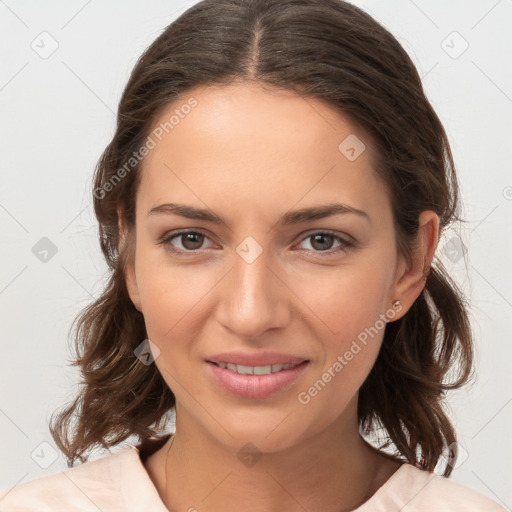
331 471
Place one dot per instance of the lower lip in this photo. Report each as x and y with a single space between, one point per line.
256 386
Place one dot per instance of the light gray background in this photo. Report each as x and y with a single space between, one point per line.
58 115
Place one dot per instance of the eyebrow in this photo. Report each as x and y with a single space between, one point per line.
289 218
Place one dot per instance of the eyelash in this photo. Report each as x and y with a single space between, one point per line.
168 237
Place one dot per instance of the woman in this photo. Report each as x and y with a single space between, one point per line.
270 207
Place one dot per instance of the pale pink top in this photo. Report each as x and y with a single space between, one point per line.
119 482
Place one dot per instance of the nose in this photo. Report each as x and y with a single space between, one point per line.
253 297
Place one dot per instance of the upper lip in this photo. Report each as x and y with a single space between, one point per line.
263 358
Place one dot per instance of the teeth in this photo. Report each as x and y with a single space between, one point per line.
255 370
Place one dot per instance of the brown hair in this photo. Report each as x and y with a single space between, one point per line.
324 49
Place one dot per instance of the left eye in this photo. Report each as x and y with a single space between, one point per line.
321 239
191 242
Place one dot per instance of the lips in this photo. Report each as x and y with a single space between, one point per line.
256 375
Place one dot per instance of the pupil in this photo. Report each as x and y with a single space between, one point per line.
320 237
192 238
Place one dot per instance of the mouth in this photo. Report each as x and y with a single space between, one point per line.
256 382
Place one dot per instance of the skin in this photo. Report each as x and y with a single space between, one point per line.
252 154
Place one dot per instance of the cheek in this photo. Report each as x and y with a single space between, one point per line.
348 308
172 296
343 302
349 355
174 308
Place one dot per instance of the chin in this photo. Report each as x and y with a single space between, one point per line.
260 436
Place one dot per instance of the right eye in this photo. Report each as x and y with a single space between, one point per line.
190 241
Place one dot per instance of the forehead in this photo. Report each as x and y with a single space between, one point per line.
263 143
245 114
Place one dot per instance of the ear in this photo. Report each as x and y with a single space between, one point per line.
126 238
411 276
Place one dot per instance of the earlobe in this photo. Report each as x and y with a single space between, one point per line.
412 276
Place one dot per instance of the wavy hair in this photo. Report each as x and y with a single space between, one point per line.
324 49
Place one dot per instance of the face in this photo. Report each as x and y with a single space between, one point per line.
259 274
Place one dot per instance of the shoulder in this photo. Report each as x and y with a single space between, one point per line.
92 486
411 489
